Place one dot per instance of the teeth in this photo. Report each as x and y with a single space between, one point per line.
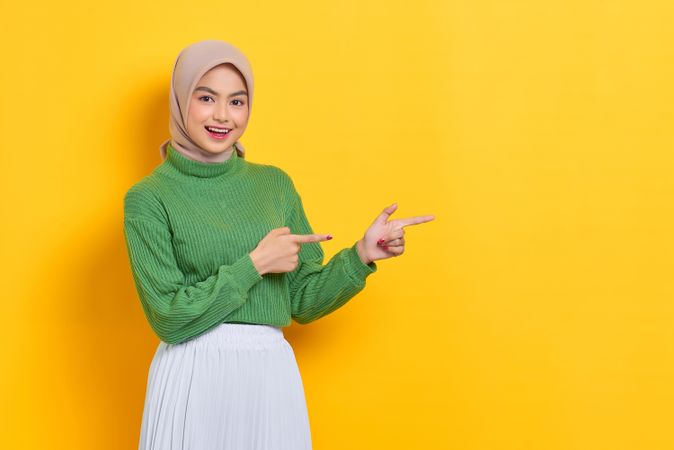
220 130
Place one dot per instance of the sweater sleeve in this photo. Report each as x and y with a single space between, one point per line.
316 289
178 311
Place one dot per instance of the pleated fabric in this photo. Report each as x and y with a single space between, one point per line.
235 387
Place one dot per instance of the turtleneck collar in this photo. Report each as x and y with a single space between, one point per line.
192 167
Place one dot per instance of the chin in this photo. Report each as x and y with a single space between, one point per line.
216 152
216 149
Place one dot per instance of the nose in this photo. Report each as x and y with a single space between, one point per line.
220 112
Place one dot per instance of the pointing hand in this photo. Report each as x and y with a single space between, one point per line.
384 238
278 251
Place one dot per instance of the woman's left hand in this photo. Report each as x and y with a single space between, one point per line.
385 239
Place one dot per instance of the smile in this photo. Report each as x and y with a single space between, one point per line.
217 133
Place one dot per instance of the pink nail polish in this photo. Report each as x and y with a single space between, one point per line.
380 241
329 237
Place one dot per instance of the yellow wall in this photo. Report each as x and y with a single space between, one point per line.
535 312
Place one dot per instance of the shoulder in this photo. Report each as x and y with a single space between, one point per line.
286 187
142 200
282 175
275 174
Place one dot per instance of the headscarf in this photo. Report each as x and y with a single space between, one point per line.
191 64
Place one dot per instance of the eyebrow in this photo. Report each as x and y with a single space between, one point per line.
211 91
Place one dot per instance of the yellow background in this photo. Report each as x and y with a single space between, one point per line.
535 312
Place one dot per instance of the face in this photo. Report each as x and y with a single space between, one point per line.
219 100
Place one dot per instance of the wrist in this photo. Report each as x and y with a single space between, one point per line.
257 263
360 249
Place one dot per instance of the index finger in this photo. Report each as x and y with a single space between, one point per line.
307 238
414 220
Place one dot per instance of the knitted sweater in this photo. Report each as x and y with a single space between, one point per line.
189 228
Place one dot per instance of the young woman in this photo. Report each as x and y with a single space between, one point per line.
223 257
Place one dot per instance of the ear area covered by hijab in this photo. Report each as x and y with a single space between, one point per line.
190 65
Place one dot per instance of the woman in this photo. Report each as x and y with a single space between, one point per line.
223 257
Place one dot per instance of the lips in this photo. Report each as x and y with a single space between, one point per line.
216 129
217 134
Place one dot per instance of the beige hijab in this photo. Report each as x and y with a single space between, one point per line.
191 64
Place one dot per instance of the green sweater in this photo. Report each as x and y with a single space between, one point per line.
189 228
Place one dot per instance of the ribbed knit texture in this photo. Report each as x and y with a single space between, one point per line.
190 227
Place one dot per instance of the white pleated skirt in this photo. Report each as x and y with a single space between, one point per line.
235 387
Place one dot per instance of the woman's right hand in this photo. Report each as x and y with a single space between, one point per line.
277 251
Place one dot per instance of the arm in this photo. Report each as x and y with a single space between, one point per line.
175 310
317 289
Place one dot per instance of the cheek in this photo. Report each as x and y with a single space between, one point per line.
240 115
197 112
195 117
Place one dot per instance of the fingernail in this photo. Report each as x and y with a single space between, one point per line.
329 237
380 241
386 247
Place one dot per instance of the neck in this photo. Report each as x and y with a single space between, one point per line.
185 164
206 157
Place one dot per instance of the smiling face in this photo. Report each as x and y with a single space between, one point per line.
220 101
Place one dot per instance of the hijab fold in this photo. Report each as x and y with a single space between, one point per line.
190 65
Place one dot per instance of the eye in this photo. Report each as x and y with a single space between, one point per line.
205 96
240 102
